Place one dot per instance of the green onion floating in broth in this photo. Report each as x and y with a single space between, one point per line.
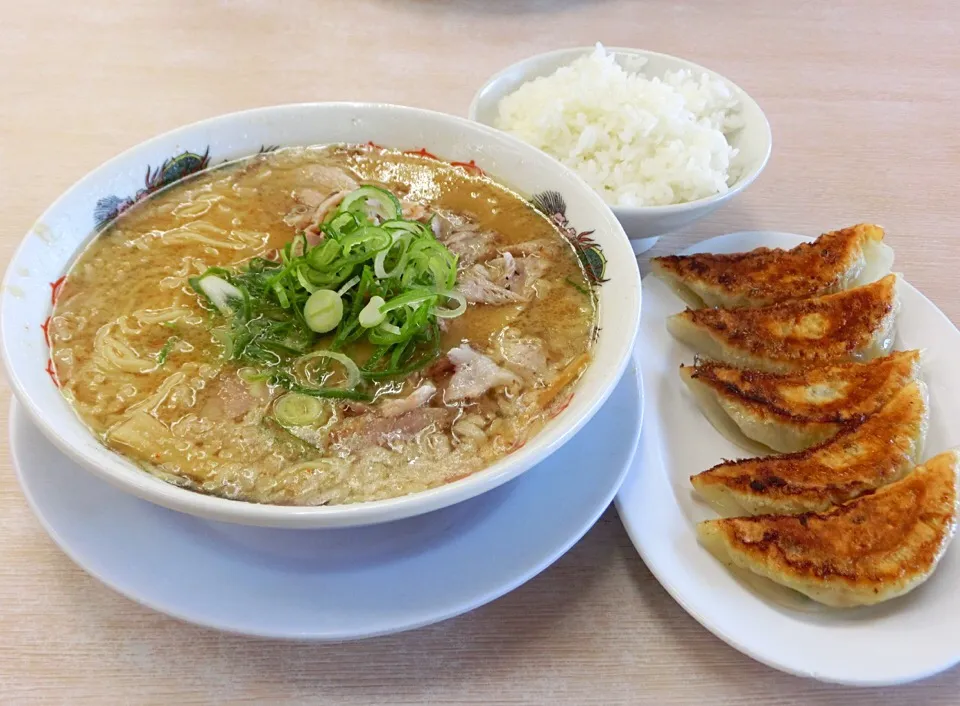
352 371
579 287
165 351
297 409
375 278
219 291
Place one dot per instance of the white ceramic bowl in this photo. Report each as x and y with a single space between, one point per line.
644 225
57 237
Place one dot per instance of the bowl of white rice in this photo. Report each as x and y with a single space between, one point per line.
663 141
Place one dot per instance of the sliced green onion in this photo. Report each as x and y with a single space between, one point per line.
331 278
353 372
323 310
298 246
579 287
360 296
373 199
341 222
414 227
252 375
447 313
362 244
222 336
379 263
410 298
399 354
431 263
165 351
323 255
372 314
304 282
219 292
297 410
348 285
281 293
374 358
375 278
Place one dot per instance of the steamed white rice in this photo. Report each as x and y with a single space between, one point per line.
638 141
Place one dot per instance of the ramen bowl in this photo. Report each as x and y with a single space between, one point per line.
35 274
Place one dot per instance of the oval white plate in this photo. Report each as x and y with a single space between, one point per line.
331 584
905 639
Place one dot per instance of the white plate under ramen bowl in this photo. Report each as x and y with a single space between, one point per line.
331 584
901 640
645 224
68 225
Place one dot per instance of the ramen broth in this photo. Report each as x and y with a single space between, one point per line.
141 355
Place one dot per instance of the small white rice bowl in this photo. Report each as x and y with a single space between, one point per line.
637 140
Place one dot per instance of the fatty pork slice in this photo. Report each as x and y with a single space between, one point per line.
475 374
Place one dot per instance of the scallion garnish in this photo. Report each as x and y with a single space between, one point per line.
374 277
297 409
165 350
323 310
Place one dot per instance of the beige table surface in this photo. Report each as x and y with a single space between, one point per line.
864 103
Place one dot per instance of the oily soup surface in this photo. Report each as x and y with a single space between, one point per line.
136 353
